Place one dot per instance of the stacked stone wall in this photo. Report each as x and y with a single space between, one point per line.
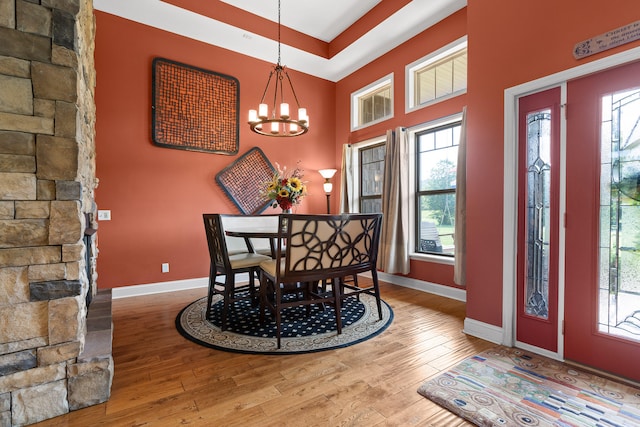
47 182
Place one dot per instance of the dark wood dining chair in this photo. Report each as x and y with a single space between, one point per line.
319 249
224 264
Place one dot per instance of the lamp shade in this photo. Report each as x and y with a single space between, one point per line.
327 173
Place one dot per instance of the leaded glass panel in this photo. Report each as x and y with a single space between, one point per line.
619 296
538 213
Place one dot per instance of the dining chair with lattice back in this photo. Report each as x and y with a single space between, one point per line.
319 249
222 263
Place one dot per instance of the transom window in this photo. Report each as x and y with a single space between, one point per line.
437 76
373 103
436 167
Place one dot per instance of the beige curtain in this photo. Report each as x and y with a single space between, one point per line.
347 198
460 236
393 255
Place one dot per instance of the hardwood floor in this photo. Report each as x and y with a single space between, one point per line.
161 379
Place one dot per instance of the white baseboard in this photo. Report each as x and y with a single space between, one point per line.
421 285
483 330
203 282
157 288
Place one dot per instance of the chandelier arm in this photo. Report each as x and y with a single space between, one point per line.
266 87
275 91
292 89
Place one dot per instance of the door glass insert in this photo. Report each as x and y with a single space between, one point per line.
538 213
619 287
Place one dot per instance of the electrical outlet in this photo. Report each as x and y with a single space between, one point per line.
165 267
104 215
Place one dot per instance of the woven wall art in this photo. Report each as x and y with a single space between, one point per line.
194 109
242 181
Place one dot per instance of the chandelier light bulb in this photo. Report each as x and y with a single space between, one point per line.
284 110
263 111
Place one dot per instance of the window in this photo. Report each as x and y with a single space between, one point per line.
436 160
438 76
373 103
371 161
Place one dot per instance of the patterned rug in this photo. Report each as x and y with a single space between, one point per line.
301 333
511 387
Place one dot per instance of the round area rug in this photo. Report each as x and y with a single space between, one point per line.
301 332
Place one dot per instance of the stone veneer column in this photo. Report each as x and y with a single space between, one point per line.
47 182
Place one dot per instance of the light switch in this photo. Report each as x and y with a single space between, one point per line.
104 215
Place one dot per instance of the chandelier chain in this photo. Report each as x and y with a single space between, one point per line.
278 32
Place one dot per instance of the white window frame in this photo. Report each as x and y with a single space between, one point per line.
355 104
410 85
440 259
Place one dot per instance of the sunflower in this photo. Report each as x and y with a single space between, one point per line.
295 184
283 193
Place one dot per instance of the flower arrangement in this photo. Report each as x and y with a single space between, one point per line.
285 188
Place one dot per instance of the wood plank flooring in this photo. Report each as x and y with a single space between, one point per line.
161 379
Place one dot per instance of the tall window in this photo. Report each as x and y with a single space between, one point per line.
436 164
373 103
437 76
371 161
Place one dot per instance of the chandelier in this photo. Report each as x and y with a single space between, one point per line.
278 121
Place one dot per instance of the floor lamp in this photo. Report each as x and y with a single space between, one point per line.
327 174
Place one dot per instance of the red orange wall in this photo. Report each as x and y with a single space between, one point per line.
510 43
395 61
157 195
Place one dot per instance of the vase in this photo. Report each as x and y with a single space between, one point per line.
286 211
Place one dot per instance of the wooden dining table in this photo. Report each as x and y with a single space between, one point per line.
256 231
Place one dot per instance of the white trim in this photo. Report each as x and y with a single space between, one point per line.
420 285
562 210
161 287
511 96
409 70
360 93
438 259
203 282
538 350
409 21
483 330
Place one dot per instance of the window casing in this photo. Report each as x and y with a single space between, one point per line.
372 104
437 76
436 154
371 167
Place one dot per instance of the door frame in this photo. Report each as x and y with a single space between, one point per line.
510 190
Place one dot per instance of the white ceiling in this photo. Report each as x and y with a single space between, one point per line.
322 19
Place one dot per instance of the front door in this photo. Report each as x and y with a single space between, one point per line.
602 269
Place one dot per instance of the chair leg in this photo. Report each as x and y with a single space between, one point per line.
337 304
376 288
278 299
263 296
229 287
212 281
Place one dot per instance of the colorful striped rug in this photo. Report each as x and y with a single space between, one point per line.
511 387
